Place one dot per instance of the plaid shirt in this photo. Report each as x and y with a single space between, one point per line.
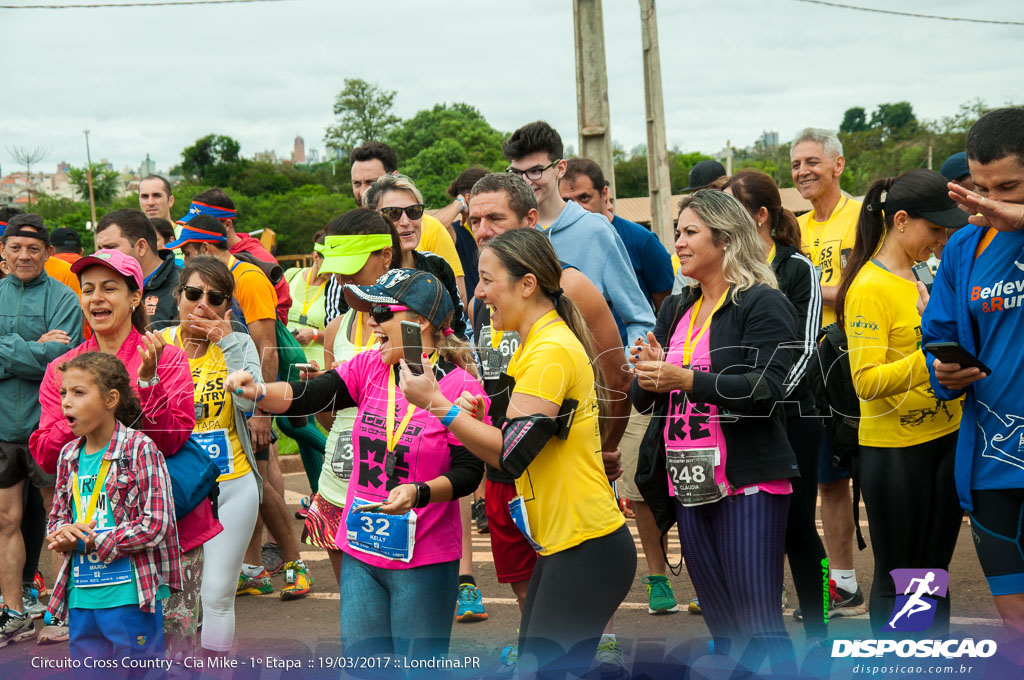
140 498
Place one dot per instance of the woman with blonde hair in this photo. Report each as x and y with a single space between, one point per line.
715 367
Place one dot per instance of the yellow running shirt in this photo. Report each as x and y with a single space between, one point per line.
434 238
215 413
829 243
566 493
883 328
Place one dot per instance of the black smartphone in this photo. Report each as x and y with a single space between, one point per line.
953 353
923 273
412 344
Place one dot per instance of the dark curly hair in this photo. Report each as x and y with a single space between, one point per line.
110 374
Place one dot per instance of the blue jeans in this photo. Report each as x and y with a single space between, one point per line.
116 633
401 611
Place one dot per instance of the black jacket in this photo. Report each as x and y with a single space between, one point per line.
752 343
158 294
798 281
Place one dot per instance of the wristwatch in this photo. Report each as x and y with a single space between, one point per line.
422 495
149 383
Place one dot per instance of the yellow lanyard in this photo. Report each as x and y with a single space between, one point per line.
688 345
101 477
389 419
306 302
360 347
771 254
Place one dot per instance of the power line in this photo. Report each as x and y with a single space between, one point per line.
912 14
167 3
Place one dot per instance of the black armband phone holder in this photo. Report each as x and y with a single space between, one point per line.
524 438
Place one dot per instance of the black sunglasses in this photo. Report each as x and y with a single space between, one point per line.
394 213
382 313
193 294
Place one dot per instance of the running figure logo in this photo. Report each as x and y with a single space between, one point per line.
915 608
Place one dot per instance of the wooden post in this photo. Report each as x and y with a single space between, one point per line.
593 116
658 179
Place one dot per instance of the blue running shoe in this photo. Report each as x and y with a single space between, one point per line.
470 604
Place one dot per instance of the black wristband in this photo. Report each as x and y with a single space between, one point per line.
422 494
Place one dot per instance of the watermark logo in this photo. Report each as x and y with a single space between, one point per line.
915 608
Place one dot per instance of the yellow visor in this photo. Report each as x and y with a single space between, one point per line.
348 254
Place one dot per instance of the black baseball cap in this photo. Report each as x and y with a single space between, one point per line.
955 167
65 237
923 193
704 173
420 291
38 228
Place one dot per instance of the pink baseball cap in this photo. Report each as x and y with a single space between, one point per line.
125 265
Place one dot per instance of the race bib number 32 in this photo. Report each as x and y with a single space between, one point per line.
392 537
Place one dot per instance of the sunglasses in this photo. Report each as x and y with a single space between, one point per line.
382 313
394 213
193 294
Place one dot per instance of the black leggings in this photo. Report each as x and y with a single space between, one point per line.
571 597
914 518
803 544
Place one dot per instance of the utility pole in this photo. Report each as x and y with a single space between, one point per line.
593 116
658 180
88 171
728 157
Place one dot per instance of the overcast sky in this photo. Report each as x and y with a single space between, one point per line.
153 80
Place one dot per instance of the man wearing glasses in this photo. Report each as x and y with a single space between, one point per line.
581 238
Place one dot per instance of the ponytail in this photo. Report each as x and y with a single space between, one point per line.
570 314
871 228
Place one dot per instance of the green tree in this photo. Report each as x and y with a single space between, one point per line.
895 120
213 159
436 144
854 120
364 113
106 183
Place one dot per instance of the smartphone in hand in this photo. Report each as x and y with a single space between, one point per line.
923 273
953 353
412 344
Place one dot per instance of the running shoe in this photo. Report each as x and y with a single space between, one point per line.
297 580
785 596
510 655
469 606
31 604
39 584
303 508
480 516
254 585
14 627
273 558
54 631
660 597
694 606
845 603
626 506
609 659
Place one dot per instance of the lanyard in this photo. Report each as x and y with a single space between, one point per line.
360 347
389 420
101 478
688 345
771 254
306 302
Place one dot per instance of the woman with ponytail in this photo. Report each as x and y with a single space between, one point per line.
546 436
907 435
779 234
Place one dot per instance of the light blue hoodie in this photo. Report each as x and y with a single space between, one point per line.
588 242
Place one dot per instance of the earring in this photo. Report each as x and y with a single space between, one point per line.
902 229
760 224
133 309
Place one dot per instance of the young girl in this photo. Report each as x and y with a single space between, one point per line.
112 517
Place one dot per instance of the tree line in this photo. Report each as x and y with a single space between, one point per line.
436 144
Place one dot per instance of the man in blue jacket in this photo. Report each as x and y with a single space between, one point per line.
581 238
976 301
40 318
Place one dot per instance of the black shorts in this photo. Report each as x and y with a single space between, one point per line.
17 465
996 523
264 453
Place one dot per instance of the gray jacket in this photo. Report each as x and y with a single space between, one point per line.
240 355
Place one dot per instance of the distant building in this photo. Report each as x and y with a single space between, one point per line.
299 152
314 156
769 139
148 167
268 156
17 187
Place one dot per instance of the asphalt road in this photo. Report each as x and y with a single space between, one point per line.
269 628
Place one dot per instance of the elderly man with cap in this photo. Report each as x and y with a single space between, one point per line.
55 268
39 318
67 245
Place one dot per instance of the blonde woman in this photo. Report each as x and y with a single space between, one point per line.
715 366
